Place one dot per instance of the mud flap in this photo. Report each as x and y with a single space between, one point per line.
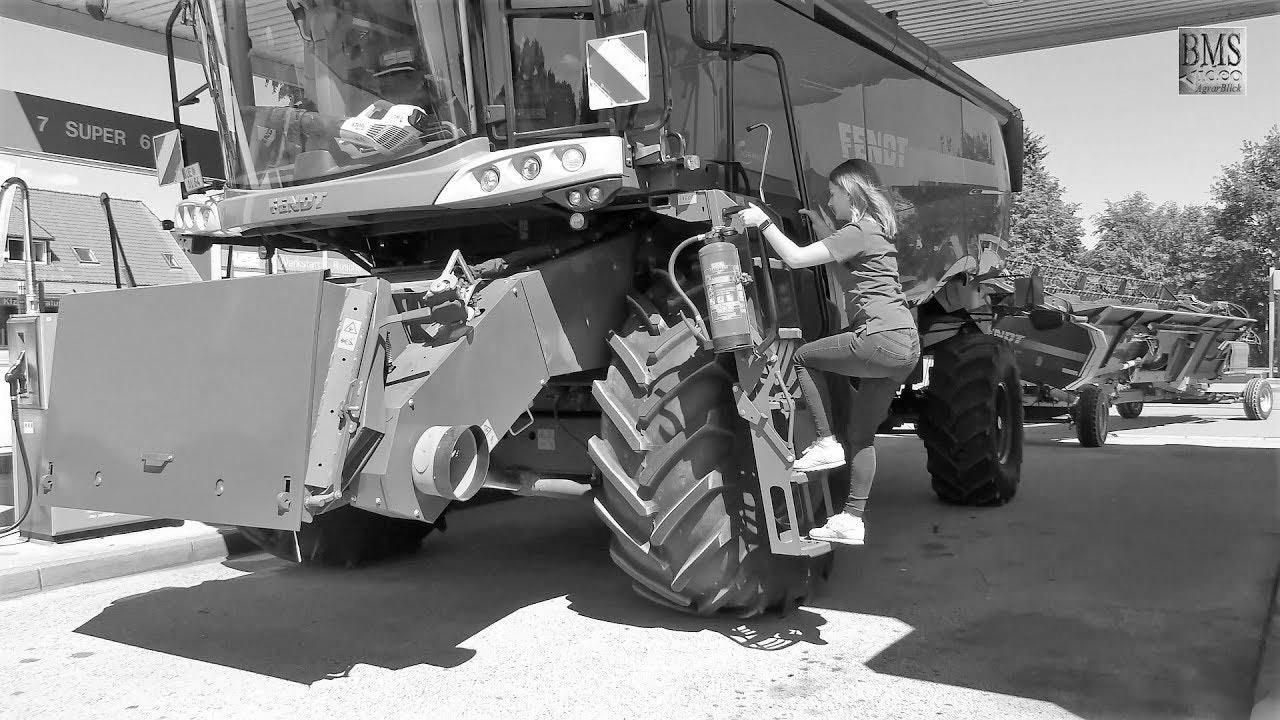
191 401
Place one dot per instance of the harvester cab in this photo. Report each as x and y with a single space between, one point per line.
557 302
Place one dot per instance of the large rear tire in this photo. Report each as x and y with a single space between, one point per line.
346 537
1258 399
972 421
1093 409
679 490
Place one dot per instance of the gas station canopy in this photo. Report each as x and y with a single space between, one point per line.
959 29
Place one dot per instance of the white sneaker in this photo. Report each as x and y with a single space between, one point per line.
841 528
824 454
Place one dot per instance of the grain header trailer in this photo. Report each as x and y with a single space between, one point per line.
541 192
1105 339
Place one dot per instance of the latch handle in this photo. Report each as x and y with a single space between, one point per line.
155 461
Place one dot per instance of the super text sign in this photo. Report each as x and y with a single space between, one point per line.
41 124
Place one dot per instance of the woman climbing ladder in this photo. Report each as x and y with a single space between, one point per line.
878 348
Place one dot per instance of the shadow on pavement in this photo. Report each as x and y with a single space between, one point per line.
1126 584
306 624
1122 582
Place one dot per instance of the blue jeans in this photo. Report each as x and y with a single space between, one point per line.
881 361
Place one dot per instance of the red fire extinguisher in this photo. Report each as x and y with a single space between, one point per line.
730 320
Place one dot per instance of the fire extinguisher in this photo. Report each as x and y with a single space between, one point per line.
726 297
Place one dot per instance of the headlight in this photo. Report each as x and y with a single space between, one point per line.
575 197
489 179
594 194
573 159
530 167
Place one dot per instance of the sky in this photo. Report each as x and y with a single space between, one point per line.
1113 120
1109 111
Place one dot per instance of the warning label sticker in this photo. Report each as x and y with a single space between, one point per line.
349 334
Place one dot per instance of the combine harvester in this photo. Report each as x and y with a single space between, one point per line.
1104 340
541 244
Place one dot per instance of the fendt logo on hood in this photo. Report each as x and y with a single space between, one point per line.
296 203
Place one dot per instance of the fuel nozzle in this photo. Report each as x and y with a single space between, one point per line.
16 376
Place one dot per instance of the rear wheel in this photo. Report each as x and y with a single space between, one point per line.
346 536
1093 408
1129 410
679 491
1258 399
972 421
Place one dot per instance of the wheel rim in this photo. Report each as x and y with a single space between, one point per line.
1264 399
1004 433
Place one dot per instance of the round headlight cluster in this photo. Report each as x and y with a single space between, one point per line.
530 167
572 159
489 179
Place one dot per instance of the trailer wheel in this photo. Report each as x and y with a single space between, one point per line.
1257 399
1129 410
345 537
1093 408
678 487
972 421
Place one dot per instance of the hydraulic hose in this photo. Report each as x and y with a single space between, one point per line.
16 370
671 275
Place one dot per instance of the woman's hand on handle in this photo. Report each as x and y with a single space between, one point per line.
823 224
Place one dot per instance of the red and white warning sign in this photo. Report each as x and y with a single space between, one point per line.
618 70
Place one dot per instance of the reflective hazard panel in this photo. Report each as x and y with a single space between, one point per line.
618 70
167 148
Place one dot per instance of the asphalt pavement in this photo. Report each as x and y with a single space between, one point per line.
1129 581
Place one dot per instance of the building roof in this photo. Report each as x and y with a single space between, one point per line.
71 220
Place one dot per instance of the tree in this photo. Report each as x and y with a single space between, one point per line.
1042 225
1162 243
1248 227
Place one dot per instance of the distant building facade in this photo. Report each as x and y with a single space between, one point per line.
73 253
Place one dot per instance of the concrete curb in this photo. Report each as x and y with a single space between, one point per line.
1266 684
218 545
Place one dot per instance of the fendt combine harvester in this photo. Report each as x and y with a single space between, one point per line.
1107 339
557 303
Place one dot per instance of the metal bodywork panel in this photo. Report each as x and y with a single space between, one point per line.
193 401
1057 358
487 377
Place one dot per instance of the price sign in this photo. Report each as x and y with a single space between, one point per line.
192 180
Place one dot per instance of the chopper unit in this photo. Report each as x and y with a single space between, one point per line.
558 302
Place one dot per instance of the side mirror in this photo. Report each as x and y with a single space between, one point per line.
707 18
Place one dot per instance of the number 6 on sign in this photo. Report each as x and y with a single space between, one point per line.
618 70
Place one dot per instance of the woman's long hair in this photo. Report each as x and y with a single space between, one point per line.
866 194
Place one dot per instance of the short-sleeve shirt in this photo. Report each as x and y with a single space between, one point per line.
866 270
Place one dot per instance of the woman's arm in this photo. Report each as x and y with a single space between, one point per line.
795 256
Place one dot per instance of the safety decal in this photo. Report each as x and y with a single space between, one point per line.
349 334
618 70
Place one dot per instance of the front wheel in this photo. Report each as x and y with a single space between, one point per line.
1093 408
972 421
678 488
346 536
1257 398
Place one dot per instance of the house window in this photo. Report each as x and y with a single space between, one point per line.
86 255
39 248
171 261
